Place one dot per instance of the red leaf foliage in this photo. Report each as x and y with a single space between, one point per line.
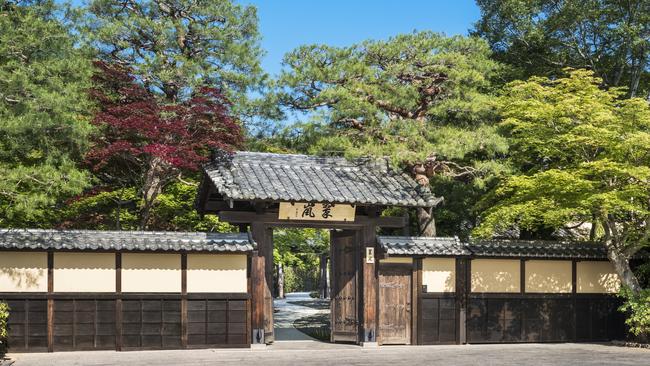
137 126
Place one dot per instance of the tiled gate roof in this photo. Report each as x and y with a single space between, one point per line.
286 177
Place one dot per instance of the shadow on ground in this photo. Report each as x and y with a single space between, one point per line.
318 304
316 326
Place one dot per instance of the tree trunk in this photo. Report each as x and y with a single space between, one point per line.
322 279
622 266
280 281
426 222
619 257
152 187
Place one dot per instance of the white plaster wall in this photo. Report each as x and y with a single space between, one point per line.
597 277
496 275
216 273
23 272
151 272
84 272
439 274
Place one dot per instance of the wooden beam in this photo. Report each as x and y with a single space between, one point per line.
257 299
50 301
370 284
183 300
270 218
263 236
118 302
462 287
574 291
522 276
416 282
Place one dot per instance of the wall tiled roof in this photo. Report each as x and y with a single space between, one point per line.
439 246
124 240
285 177
410 245
537 248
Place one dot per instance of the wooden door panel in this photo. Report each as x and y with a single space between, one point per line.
395 304
344 310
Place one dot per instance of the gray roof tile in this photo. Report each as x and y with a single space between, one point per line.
537 248
426 246
125 240
439 246
286 177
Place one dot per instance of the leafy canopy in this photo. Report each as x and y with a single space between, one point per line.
637 306
145 143
422 99
117 209
299 247
44 112
407 97
583 155
541 37
174 47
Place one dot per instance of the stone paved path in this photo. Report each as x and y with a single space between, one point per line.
302 354
287 312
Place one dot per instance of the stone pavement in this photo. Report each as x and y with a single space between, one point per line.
287 312
302 353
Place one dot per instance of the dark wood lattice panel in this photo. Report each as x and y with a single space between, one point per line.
151 324
438 324
27 325
84 325
216 323
546 319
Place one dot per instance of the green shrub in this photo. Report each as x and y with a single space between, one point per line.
637 309
4 315
300 279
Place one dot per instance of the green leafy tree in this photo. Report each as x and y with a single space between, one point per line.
175 47
584 157
4 317
171 56
541 37
298 254
118 209
637 305
422 99
44 112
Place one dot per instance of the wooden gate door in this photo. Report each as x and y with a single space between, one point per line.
343 304
394 304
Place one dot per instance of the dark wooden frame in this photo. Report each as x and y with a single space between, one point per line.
463 293
118 296
261 220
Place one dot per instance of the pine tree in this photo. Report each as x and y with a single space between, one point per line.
422 99
44 112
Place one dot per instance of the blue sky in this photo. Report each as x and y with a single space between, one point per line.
286 24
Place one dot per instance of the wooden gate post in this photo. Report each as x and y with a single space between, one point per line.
462 289
463 278
257 299
263 236
369 288
50 301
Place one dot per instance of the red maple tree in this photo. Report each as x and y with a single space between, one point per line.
147 141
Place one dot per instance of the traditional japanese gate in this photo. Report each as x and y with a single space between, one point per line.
260 191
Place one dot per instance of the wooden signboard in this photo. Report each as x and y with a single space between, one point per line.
316 211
